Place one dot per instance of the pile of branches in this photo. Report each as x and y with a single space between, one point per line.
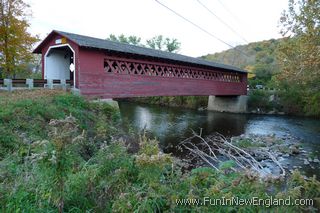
211 148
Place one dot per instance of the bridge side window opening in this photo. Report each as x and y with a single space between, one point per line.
132 67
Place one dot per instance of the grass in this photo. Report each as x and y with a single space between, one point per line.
51 161
18 95
245 143
24 116
249 143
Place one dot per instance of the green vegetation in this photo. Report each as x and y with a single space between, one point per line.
247 142
24 117
61 152
158 42
262 100
291 64
299 57
192 102
260 60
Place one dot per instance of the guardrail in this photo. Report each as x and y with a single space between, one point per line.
11 84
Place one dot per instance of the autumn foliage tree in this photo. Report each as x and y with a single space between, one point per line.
299 54
15 40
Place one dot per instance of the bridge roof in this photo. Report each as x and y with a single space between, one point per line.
90 42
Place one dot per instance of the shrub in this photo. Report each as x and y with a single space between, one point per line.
260 99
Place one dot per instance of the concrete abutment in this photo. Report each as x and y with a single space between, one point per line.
235 104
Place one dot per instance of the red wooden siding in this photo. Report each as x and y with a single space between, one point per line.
106 76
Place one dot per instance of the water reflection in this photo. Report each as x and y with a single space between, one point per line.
171 125
226 123
142 118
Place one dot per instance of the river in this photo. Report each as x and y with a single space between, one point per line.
172 125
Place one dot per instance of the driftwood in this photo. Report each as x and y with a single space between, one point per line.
209 148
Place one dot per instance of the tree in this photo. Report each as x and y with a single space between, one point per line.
299 55
134 40
15 41
157 42
166 44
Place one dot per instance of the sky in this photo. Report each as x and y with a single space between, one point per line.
243 21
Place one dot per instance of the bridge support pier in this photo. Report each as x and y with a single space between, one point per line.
236 104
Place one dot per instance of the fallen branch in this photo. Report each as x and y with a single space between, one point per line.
277 162
208 149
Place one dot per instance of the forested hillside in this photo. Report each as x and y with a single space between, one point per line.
257 57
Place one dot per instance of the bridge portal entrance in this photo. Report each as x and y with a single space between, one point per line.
59 63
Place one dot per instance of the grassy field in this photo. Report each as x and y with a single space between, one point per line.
62 153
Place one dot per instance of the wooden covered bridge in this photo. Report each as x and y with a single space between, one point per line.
104 69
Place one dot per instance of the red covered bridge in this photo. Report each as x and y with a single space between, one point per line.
100 68
106 69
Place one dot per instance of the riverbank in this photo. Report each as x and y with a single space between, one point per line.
201 103
187 102
285 101
261 102
61 152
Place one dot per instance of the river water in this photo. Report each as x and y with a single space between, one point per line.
172 125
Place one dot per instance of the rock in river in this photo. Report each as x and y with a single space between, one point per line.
294 149
306 162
